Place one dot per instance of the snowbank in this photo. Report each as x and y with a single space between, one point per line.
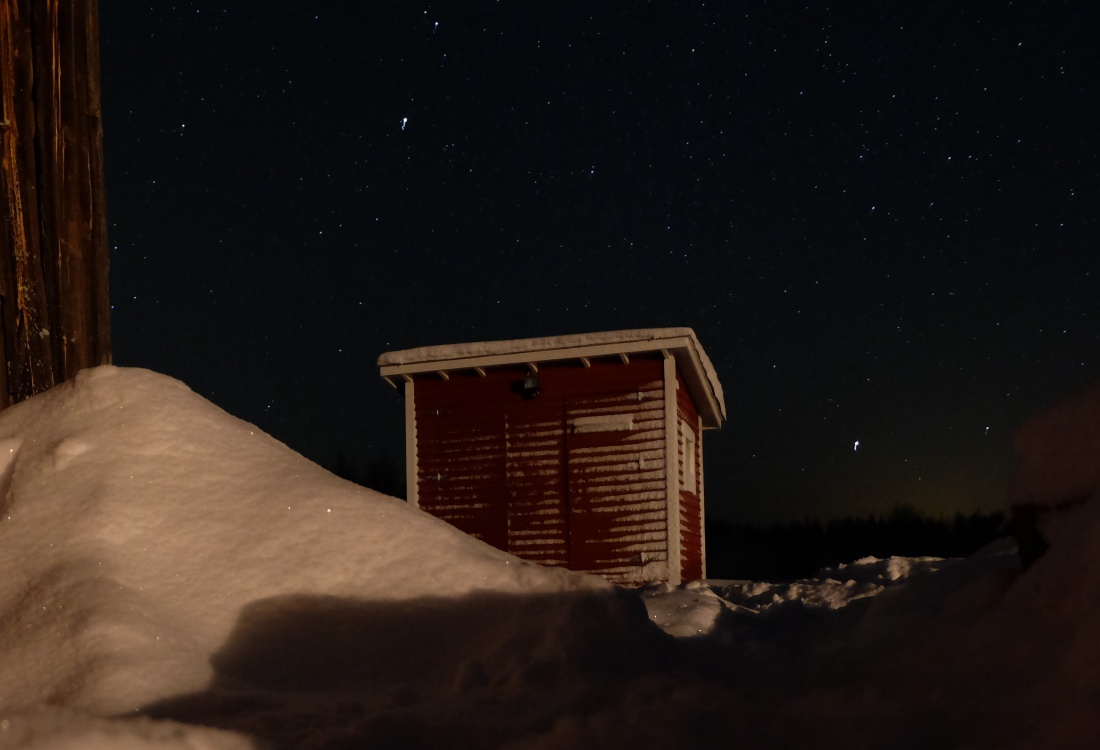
138 522
54 729
1058 453
167 571
697 608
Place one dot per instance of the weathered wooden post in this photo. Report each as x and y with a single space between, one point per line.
54 308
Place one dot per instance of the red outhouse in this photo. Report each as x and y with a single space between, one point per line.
582 451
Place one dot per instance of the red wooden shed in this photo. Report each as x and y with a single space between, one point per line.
582 451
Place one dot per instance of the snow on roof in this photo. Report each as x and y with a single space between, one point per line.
544 346
681 342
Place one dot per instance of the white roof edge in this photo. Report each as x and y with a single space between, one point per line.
534 356
544 344
696 367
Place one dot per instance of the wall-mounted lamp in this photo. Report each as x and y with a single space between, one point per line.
528 388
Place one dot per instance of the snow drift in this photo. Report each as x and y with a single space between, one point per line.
1058 453
168 571
142 529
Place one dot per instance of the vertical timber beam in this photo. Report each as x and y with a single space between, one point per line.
54 307
25 323
702 499
412 487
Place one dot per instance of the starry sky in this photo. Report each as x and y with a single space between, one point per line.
880 219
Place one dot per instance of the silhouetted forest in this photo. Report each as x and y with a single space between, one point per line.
379 472
799 549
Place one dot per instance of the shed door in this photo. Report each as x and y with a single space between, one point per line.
616 519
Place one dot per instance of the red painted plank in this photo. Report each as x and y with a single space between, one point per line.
519 475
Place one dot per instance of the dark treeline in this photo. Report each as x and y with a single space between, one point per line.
800 548
380 472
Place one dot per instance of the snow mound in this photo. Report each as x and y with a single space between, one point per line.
1058 453
138 522
697 608
691 609
62 730
157 554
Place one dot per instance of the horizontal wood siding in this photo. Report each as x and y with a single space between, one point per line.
574 477
616 477
691 511
537 510
460 452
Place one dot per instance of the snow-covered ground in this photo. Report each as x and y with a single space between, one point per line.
171 577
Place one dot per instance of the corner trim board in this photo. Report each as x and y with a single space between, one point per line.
411 490
672 473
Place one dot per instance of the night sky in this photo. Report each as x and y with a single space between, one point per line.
880 219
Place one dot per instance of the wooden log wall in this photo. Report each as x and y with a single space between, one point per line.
54 307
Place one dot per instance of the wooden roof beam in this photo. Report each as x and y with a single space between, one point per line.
691 360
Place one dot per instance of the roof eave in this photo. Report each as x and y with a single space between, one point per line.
685 349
